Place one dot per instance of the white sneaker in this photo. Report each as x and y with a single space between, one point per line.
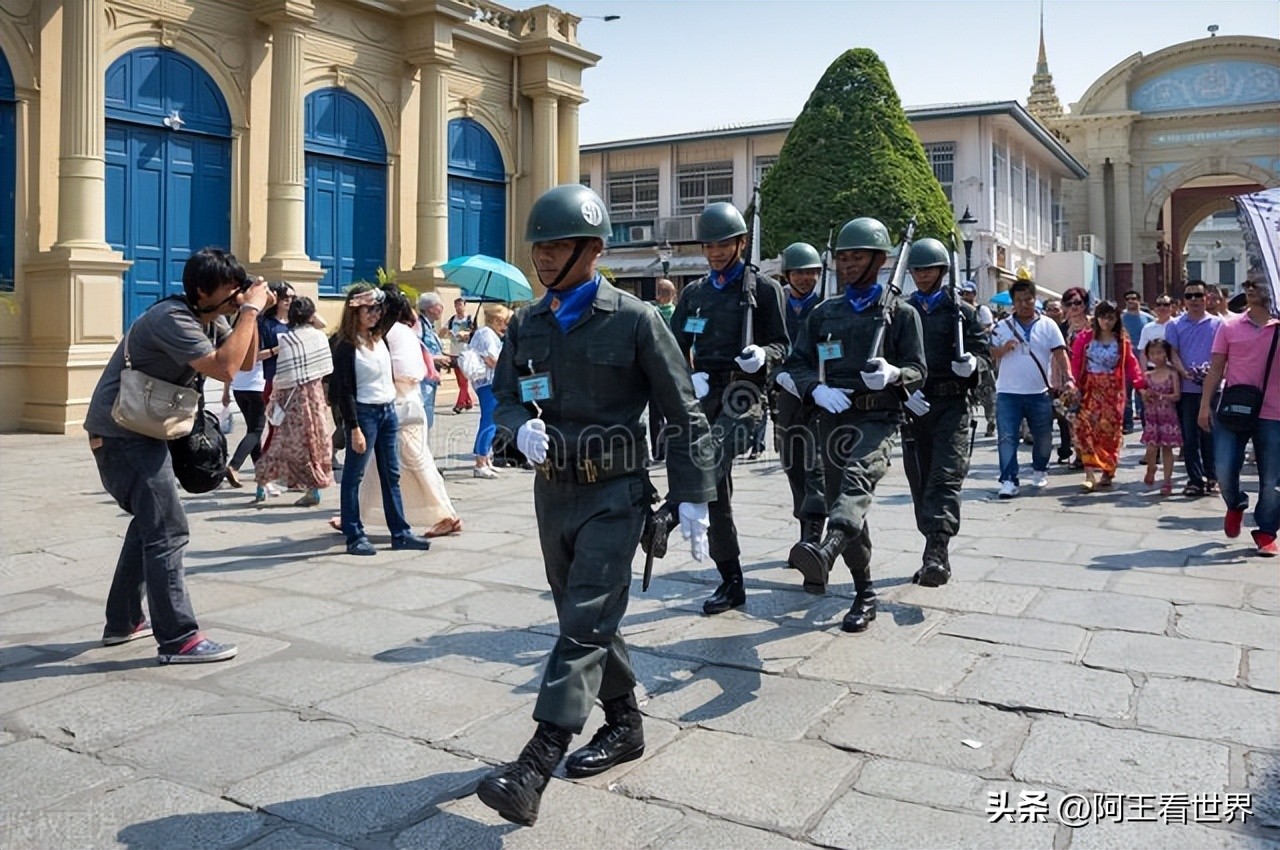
1008 490
484 472
1039 479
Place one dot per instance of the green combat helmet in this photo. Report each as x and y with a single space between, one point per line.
720 221
571 211
864 234
928 253
800 255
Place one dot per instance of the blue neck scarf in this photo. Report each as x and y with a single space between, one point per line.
928 303
730 275
569 306
798 304
862 299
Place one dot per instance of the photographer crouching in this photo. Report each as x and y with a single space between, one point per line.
149 394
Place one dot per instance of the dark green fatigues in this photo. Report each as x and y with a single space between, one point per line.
935 447
734 405
855 445
797 448
592 496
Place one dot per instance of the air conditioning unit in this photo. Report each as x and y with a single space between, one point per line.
640 233
1089 242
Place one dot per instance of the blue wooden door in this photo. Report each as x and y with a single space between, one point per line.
168 170
8 176
346 194
477 192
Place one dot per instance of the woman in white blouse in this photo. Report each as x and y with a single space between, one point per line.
424 499
487 342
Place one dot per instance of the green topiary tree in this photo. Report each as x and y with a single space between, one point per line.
851 152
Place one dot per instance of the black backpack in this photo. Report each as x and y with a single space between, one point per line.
200 458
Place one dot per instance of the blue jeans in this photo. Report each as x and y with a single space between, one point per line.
1228 452
1197 445
138 474
1011 409
429 391
488 428
380 427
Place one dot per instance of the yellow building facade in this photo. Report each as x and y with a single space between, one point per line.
313 138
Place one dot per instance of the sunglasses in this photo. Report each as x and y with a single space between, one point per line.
1193 295
1164 303
372 308
1076 303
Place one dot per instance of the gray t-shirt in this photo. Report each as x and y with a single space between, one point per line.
162 343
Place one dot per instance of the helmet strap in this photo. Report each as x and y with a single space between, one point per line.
869 275
579 248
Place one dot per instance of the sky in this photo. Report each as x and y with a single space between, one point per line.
672 66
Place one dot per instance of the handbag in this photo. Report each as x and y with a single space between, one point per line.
152 407
276 414
1240 405
473 365
409 413
1061 408
200 457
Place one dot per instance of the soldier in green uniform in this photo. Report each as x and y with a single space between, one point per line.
937 434
859 409
801 267
575 374
730 326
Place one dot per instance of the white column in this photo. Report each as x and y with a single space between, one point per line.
286 186
1122 251
567 139
82 147
433 166
545 149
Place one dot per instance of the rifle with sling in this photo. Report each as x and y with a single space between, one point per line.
890 294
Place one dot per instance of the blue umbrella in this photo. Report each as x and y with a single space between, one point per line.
488 278
1003 299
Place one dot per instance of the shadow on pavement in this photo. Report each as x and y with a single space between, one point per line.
14 668
349 818
264 556
1162 558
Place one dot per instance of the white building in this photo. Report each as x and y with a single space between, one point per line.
992 158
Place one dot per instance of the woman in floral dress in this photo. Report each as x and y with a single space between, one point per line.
1101 358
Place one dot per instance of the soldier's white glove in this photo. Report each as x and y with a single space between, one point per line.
830 399
966 367
751 359
884 375
701 384
694 523
532 440
917 403
784 380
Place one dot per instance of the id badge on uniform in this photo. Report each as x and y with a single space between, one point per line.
830 350
695 325
535 387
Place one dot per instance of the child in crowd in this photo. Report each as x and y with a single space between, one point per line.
1161 433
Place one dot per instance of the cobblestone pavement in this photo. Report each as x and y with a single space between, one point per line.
1113 643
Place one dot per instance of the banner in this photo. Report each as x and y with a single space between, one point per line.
1259 216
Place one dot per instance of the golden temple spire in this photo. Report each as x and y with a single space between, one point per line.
1043 102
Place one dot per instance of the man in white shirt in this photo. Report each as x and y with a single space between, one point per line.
1032 357
1156 329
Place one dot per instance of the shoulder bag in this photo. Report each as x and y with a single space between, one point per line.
1060 406
1240 405
150 406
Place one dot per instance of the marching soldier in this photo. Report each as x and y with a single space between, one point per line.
730 326
575 374
801 267
859 409
936 438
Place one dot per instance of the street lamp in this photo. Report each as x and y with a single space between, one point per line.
968 229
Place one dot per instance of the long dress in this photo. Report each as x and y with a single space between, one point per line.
300 449
426 502
1100 370
1160 426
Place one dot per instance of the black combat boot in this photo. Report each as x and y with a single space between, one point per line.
810 532
936 568
863 610
730 593
620 739
814 561
514 790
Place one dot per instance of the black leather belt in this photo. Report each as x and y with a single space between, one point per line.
883 400
946 387
591 470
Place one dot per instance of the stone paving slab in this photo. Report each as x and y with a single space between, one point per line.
1225 714
1211 622
710 772
1102 610
922 729
1032 634
1163 656
857 820
1264 670
1064 688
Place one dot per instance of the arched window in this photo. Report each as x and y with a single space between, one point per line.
346 189
168 169
477 192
